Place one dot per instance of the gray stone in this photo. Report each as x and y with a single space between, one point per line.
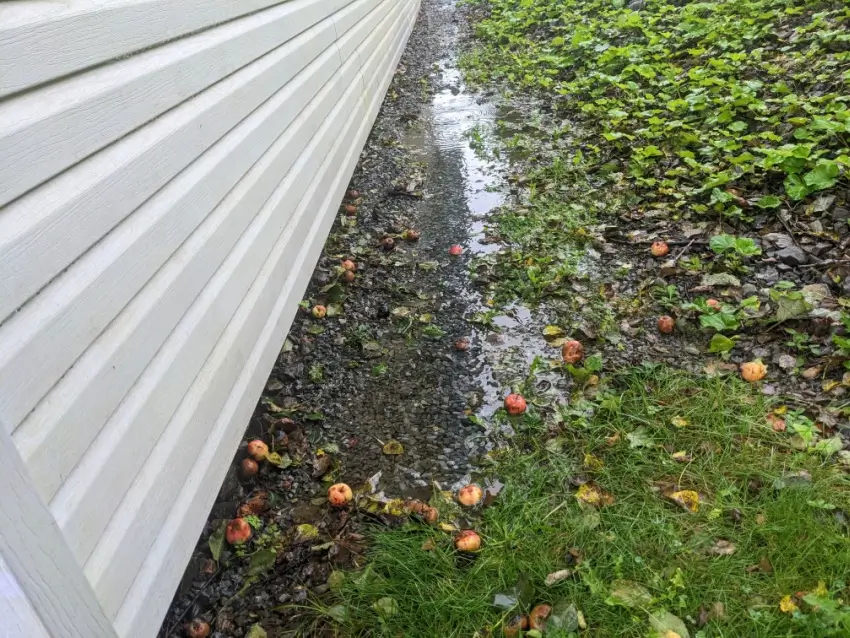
749 290
780 240
793 256
768 276
840 214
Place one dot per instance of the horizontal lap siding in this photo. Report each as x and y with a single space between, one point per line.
170 185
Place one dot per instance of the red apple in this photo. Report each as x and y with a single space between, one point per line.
515 404
319 311
572 351
467 541
258 450
713 303
348 276
537 616
666 324
353 194
249 468
350 210
455 250
462 344
347 264
237 531
470 495
410 235
659 249
198 629
388 243
339 495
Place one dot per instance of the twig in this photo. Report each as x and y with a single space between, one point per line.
682 252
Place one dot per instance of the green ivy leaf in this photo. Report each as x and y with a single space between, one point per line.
769 201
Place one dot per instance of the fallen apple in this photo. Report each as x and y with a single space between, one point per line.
455 250
353 194
666 324
713 303
515 625
388 243
467 541
258 450
350 210
515 404
198 629
319 311
537 616
348 276
237 531
659 249
249 468
462 344
470 495
410 235
339 495
572 351
347 264
753 371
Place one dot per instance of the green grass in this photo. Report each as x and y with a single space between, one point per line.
743 471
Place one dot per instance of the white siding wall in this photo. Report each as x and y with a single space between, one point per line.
169 170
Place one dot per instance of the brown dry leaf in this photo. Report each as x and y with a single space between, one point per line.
558 576
688 499
722 547
613 439
763 566
777 424
592 494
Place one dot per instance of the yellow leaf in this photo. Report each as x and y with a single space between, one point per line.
448 528
787 605
681 457
821 591
591 494
592 463
687 499
679 421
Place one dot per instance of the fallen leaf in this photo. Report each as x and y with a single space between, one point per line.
592 463
256 631
216 541
262 561
428 545
776 424
306 532
552 332
592 494
639 438
722 547
681 457
688 499
386 607
564 616
392 448
666 624
628 593
448 528
679 421
338 613
787 605
558 576
282 461
613 439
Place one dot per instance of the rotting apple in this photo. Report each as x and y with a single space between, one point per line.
249 468
753 371
666 324
572 351
470 495
258 450
515 404
339 495
237 532
659 248
467 541
319 311
198 629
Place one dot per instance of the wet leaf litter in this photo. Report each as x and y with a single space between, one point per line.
447 406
